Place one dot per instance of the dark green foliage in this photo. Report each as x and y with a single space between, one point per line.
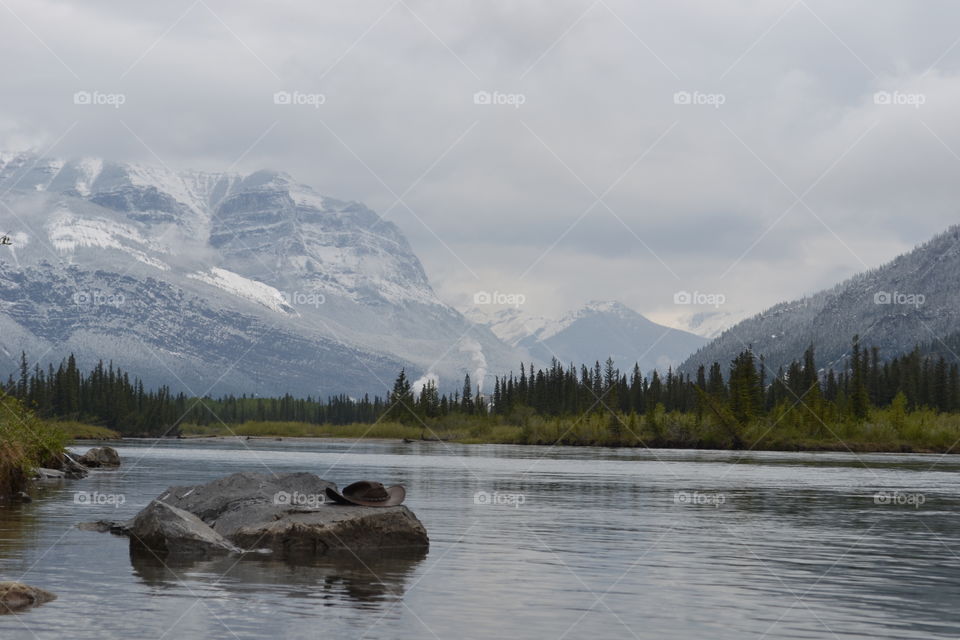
731 401
401 404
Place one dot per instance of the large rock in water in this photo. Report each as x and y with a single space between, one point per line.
335 528
165 529
16 595
286 514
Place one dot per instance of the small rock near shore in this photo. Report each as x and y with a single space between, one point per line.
63 465
43 473
100 457
15 596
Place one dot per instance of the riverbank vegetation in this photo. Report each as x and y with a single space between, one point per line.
887 430
907 403
82 431
26 442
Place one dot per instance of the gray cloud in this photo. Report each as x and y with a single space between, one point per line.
703 194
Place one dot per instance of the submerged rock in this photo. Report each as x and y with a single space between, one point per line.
15 596
103 526
286 514
100 457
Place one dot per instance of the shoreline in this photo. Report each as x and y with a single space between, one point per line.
854 447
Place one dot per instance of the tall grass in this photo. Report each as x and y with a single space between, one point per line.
83 431
392 430
26 443
889 429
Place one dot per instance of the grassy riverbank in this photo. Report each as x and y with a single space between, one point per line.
885 430
26 443
84 431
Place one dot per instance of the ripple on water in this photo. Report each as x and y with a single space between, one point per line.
605 543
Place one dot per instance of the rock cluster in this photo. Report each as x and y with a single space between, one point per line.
286 515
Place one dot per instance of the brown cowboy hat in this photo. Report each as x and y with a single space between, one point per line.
368 494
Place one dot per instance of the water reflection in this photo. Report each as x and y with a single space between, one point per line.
19 520
365 581
15 521
797 548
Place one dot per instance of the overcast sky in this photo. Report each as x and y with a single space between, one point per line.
739 148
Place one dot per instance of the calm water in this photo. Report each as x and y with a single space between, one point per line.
579 543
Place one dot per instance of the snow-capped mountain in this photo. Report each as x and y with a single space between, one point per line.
248 283
911 300
594 332
510 325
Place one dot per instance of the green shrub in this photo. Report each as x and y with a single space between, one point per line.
26 443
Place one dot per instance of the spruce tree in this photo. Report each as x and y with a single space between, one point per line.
400 400
859 399
466 402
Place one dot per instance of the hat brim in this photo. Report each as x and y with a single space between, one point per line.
395 496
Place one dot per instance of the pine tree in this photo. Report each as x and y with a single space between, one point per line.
401 400
859 400
611 378
24 372
745 392
715 384
466 402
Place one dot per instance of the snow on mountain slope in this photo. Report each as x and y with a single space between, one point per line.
187 276
910 300
710 324
510 325
246 288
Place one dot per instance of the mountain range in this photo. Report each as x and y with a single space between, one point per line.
228 283
219 282
912 300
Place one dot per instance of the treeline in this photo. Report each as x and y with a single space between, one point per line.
730 396
108 397
745 390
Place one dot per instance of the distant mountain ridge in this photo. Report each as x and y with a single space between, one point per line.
595 331
913 299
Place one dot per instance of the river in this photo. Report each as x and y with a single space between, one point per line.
526 542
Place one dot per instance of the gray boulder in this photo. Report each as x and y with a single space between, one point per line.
164 529
229 502
15 596
101 457
286 514
334 529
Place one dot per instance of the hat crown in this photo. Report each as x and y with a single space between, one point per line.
365 490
